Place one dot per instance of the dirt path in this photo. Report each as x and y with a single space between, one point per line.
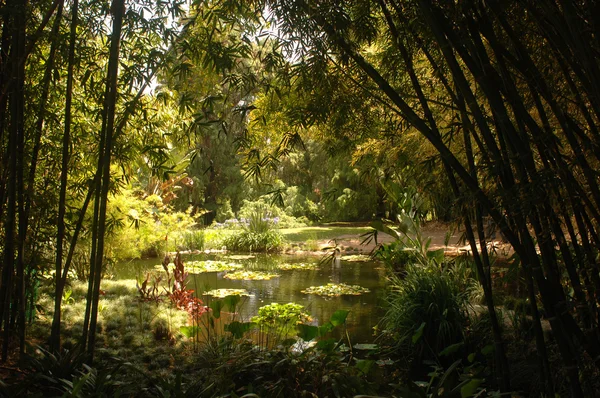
434 231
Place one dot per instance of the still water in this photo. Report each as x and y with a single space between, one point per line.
365 310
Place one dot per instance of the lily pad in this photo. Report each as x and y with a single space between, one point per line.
199 267
333 289
356 258
250 276
298 266
240 257
222 293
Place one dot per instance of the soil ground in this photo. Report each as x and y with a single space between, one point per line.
434 230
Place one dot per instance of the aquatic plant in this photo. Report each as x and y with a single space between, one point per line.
277 314
298 266
240 257
336 289
199 267
222 293
278 321
249 241
250 276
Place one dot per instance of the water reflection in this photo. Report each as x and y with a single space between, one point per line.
365 310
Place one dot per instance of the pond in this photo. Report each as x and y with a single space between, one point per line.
365 309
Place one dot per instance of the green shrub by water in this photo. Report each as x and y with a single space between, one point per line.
280 320
193 239
247 241
259 235
427 310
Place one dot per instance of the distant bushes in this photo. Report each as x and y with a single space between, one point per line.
257 235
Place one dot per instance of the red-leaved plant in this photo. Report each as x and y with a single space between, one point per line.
182 297
150 292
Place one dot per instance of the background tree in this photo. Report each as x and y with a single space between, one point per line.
501 92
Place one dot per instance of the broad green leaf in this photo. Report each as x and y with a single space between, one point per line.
436 255
232 301
325 328
365 346
380 226
326 345
469 389
307 332
237 329
216 307
189 331
364 365
339 317
488 349
451 349
418 333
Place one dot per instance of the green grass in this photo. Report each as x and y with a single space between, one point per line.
303 234
127 327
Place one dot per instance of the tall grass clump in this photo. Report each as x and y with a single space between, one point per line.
427 310
258 234
193 239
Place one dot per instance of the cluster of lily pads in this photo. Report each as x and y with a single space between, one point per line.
336 289
250 275
240 256
298 266
199 267
222 293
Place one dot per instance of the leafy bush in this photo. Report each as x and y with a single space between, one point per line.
269 210
247 241
257 235
259 223
193 239
299 206
395 256
427 310
281 319
224 212
144 227
350 205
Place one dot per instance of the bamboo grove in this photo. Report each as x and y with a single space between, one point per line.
507 93
70 92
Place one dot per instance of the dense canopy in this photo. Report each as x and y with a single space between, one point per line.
133 128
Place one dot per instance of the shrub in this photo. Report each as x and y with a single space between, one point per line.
350 205
299 206
257 235
427 310
247 241
269 210
193 239
144 227
224 212
395 256
281 319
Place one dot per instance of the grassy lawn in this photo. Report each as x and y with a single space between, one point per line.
304 234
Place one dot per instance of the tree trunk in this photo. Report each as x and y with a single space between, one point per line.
118 10
55 331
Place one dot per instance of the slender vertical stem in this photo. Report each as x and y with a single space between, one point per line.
55 332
